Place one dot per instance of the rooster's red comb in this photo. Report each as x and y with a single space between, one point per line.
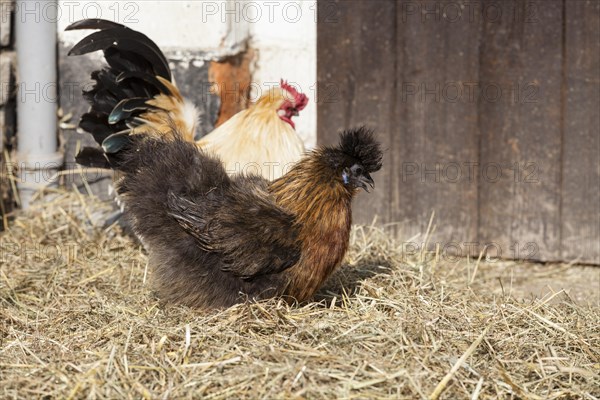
300 99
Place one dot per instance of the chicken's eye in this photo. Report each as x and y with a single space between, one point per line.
357 170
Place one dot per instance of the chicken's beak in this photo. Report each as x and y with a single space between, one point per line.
364 180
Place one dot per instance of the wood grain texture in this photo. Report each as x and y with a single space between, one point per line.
435 120
355 72
580 219
523 135
519 192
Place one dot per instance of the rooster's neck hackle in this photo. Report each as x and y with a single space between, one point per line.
273 100
311 189
251 129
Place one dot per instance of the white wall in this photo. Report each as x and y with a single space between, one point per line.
283 33
173 25
286 40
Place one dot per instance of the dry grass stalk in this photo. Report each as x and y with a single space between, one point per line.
78 321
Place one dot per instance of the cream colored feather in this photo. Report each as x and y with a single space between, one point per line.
256 140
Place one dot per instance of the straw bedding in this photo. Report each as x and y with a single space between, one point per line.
78 319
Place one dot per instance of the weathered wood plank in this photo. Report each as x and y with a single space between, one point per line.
580 193
435 143
520 124
489 114
355 72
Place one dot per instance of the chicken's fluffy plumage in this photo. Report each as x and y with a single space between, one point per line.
215 237
215 240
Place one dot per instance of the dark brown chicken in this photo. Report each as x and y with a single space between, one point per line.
215 240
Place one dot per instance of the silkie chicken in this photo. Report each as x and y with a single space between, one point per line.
215 240
136 93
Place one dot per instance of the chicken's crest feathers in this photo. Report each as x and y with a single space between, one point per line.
360 144
356 146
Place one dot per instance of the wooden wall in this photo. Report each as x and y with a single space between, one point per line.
489 114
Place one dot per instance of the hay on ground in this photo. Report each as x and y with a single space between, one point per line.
79 320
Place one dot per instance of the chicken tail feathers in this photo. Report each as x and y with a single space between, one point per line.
136 92
113 153
130 45
92 157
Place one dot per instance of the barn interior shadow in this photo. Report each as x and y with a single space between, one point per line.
348 279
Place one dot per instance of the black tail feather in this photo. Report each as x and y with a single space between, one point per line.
118 31
117 142
93 23
147 79
128 40
127 108
97 125
92 157
109 83
115 149
122 89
